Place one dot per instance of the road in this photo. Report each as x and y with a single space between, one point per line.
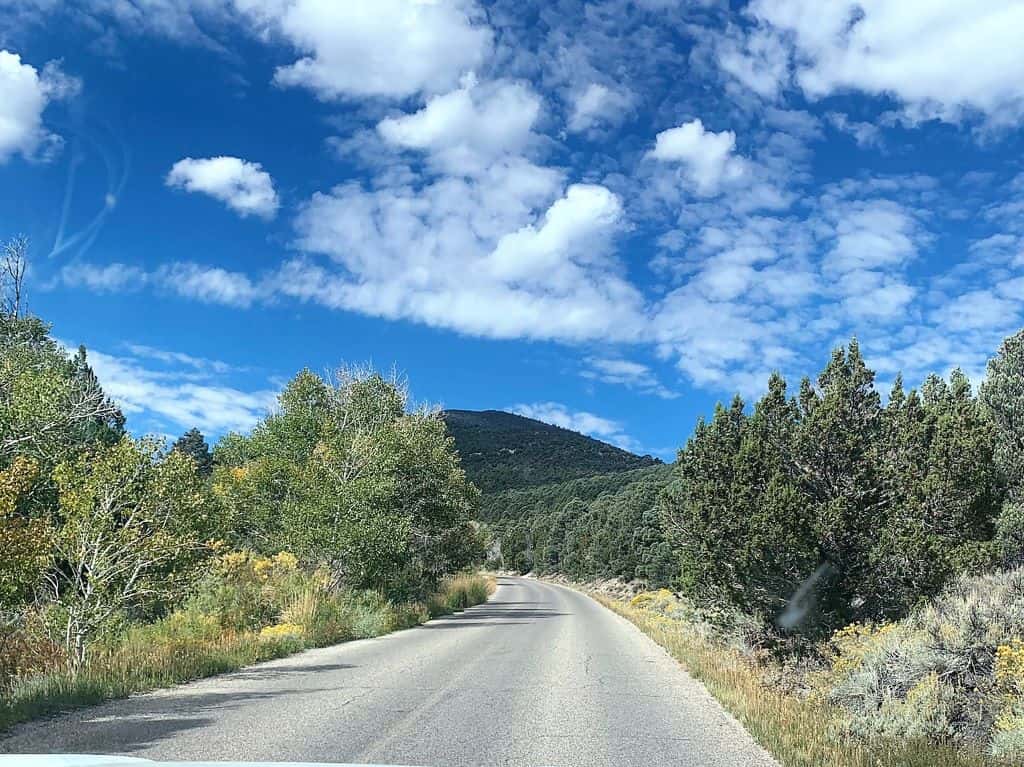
539 675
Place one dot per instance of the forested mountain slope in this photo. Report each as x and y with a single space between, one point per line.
605 526
501 451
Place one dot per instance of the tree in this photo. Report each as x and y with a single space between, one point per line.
50 406
130 525
24 540
943 492
13 266
1003 396
833 463
193 444
343 476
697 510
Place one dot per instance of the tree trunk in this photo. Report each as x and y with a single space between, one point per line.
76 645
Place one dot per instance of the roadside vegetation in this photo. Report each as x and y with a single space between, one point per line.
127 564
858 555
799 729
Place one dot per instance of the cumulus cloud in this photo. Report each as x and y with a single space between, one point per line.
391 48
108 278
575 229
924 53
759 60
467 129
598 105
864 133
241 185
26 93
707 157
505 254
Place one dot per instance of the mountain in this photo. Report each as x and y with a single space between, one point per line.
502 451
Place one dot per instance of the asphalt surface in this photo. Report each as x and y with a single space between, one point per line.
539 675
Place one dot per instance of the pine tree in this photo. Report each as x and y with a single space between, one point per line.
1003 396
839 424
697 508
193 444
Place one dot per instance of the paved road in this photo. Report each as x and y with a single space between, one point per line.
540 675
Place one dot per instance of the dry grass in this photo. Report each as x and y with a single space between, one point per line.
460 592
797 731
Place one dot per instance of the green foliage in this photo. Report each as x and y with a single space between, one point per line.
245 591
130 525
51 407
1003 396
952 671
342 475
193 444
460 592
107 541
502 451
24 540
860 509
604 526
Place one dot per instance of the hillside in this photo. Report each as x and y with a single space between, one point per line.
605 526
524 503
501 451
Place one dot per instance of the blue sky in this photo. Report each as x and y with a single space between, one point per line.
606 215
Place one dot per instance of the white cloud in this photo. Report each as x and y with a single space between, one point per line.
557 414
871 234
211 285
759 60
201 364
170 398
467 129
940 58
864 133
241 185
466 254
109 278
598 105
26 92
633 375
707 156
394 48
576 229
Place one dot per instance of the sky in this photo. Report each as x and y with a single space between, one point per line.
606 215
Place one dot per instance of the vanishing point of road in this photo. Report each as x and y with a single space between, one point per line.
539 675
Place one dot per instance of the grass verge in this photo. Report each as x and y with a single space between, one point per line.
794 730
187 645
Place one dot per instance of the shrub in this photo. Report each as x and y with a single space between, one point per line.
279 640
952 671
740 631
460 592
247 591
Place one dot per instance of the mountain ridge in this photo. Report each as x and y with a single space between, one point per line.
502 451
